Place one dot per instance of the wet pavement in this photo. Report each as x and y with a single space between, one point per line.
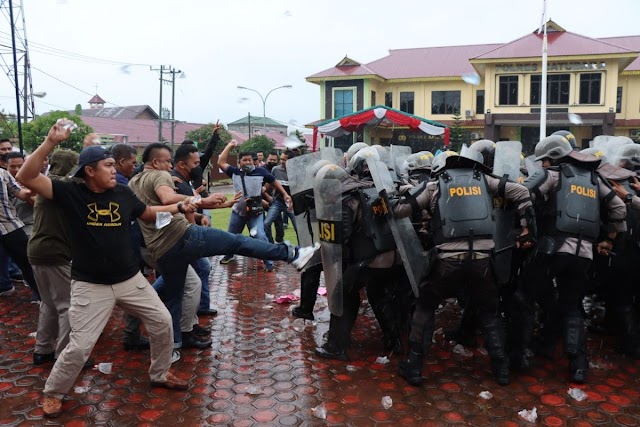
262 371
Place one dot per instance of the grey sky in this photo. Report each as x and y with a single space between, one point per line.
262 44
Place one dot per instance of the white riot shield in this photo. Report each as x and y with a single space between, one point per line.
328 202
301 186
507 159
414 258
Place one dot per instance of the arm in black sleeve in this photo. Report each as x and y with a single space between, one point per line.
208 150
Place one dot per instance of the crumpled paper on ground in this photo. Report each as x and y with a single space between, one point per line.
286 299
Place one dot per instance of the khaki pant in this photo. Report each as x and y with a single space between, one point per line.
91 307
190 301
53 321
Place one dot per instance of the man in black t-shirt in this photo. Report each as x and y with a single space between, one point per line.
104 270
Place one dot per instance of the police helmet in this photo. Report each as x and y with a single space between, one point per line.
313 170
384 154
354 149
419 161
332 171
358 162
628 156
487 148
595 152
569 136
439 162
552 147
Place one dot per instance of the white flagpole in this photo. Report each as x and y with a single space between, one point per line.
543 83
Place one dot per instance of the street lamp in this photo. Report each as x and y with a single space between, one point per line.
264 100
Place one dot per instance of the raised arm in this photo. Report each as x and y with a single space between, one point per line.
29 174
222 160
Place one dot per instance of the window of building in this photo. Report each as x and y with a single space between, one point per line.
388 99
342 102
344 142
373 98
590 84
557 89
619 100
508 94
406 102
445 102
480 102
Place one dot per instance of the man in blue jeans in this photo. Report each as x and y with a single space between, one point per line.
248 212
277 206
176 242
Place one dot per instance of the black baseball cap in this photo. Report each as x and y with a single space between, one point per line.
89 155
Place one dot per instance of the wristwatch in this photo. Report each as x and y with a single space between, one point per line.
628 198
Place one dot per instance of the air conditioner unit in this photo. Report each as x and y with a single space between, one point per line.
468 113
474 136
635 133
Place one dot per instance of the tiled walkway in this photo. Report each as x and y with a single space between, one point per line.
261 371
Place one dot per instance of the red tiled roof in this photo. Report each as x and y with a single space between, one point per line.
138 132
357 70
630 42
96 100
559 44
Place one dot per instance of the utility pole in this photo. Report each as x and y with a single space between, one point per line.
167 69
173 72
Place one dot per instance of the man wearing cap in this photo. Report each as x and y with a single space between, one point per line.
104 270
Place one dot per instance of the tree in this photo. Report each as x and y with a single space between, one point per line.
34 132
255 144
78 110
457 134
202 135
8 126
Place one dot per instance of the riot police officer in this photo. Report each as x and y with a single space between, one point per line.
460 203
569 198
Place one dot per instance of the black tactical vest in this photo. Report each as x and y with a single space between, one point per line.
374 227
577 203
465 207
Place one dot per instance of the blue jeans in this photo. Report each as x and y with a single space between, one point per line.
198 242
202 266
277 208
237 224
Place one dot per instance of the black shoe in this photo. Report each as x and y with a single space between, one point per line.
328 352
139 342
39 359
207 312
190 340
201 331
88 364
300 314
411 368
578 366
501 372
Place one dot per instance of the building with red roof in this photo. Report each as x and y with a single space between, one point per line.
496 88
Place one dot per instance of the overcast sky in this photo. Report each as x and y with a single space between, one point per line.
261 44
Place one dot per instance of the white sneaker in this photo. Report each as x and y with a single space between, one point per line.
304 256
175 356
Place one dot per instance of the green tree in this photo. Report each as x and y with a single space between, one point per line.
8 126
255 144
202 135
457 134
34 132
78 110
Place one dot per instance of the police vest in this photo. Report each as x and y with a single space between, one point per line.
577 203
465 207
372 224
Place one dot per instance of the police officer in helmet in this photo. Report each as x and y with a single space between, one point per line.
460 204
569 198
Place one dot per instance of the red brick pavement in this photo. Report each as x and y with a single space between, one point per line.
252 349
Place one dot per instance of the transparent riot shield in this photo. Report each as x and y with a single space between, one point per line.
301 186
532 165
328 202
506 163
334 155
399 153
414 258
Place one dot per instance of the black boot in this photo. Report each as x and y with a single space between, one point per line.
494 343
133 339
466 332
337 339
411 369
575 347
381 302
309 283
629 331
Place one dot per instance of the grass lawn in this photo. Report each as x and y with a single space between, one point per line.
220 219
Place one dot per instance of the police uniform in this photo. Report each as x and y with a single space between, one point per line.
460 203
569 200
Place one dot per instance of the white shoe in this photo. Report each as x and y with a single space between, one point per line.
175 356
304 256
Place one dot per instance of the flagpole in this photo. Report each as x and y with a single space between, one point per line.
543 84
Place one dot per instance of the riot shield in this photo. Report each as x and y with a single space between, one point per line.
532 165
334 155
301 186
506 164
414 258
328 202
398 154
